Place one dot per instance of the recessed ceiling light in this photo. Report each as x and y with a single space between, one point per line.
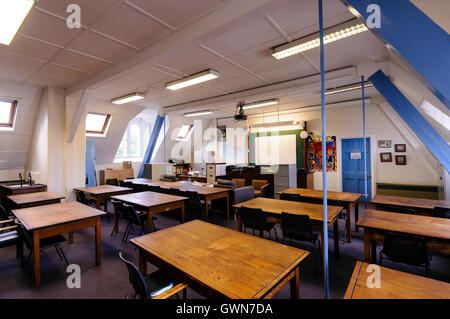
332 34
193 79
347 88
199 113
260 104
128 98
12 16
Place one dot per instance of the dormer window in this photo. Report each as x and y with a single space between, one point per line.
97 124
8 110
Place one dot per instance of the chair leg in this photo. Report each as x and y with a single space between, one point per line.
126 230
59 254
63 255
381 258
276 235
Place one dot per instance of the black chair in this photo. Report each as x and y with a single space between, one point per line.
406 249
119 212
44 244
299 227
112 181
342 215
157 284
254 219
10 236
441 212
195 207
81 198
155 189
401 210
135 218
291 197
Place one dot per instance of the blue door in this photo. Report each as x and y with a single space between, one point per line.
353 166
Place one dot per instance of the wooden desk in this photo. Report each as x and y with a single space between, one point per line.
206 193
394 285
421 205
376 223
50 220
218 262
348 199
151 203
104 192
274 207
34 199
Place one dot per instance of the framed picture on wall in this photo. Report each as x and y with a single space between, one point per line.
386 157
401 148
400 159
384 143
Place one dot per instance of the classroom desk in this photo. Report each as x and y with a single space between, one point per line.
50 220
104 192
274 207
34 199
218 262
376 223
421 205
206 193
151 203
394 284
348 199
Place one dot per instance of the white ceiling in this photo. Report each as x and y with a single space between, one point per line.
46 52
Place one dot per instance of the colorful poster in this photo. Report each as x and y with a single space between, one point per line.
314 151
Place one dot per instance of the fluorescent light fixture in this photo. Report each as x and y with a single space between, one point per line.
347 88
193 79
12 16
128 98
332 34
277 126
260 104
199 113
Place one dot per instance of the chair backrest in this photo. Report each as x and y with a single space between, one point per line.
112 181
258 183
405 249
123 184
3 213
297 227
291 197
240 182
131 213
136 279
118 208
441 212
194 203
26 237
81 197
402 210
252 217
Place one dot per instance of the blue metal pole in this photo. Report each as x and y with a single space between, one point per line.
324 157
365 143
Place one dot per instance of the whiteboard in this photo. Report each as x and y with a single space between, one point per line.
278 149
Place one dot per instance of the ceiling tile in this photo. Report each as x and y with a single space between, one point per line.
147 76
288 72
242 83
14 75
89 9
41 80
100 47
12 62
31 48
69 75
227 71
48 28
174 12
129 26
78 61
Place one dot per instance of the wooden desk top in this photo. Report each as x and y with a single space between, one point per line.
394 285
276 206
22 199
312 193
200 188
410 202
432 227
234 264
148 199
103 189
51 215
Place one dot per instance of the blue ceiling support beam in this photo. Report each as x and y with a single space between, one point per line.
421 44
413 118
152 143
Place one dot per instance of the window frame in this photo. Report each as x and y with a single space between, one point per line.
188 133
12 115
144 132
103 132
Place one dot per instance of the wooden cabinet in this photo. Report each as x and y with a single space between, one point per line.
214 170
120 174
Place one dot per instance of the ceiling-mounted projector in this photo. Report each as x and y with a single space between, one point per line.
240 116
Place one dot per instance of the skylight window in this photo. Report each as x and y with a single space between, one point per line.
97 124
185 132
7 114
436 114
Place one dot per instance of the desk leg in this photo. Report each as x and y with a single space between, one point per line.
349 223
228 205
70 238
336 238
37 259
182 212
356 215
366 246
373 250
322 240
116 222
206 207
150 221
142 262
98 242
239 221
295 285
